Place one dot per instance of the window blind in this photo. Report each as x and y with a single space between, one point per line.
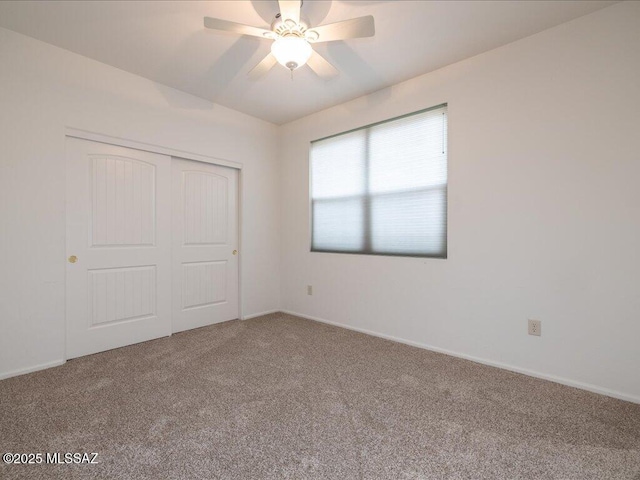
382 189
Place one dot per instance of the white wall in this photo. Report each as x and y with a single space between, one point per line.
544 211
44 89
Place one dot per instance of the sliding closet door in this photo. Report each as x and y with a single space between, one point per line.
205 243
118 286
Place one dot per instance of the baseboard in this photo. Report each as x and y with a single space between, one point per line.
35 368
254 315
484 361
504 366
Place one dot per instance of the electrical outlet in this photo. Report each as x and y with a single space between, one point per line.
535 327
309 289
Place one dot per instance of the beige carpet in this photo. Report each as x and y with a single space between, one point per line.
282 397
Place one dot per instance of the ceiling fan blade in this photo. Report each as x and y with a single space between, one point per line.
354 28
263 67
290 9
227 26
319 64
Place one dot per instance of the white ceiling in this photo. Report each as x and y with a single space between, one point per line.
165 41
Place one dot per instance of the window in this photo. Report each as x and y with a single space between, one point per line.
382 189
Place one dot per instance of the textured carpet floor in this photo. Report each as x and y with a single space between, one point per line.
283 397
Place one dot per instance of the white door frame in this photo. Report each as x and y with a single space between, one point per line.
147 147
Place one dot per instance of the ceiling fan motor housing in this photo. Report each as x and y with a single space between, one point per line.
289 27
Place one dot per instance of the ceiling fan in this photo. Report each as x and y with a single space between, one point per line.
292 38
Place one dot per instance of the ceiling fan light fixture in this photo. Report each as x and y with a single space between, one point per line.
291 51
293 37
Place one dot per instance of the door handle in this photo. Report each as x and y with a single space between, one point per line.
73 259
235 252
